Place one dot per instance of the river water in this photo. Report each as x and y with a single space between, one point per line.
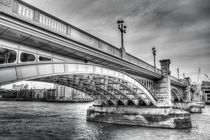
48 121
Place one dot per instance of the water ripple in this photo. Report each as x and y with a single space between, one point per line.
49 121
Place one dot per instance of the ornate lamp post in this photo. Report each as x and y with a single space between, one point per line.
122 29
154 54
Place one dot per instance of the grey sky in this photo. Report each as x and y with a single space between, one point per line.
179 29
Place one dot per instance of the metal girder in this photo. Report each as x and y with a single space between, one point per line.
101 86
116 83
77 86
104 83
84 83
103 90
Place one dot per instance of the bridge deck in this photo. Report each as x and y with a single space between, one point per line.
36 18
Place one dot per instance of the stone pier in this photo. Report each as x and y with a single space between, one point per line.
161 115
188 104
191 107
195 107
163 86
142 116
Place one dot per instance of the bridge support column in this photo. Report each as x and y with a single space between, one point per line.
162 117
187 90
193 106
163 86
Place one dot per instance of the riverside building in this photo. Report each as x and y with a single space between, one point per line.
206 90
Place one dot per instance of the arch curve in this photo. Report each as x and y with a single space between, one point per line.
176 94
47 71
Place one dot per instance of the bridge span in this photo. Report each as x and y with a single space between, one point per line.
35 45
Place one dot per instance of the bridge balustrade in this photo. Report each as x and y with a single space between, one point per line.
25 11
35 16
51 23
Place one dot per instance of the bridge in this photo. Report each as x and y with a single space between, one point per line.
37 46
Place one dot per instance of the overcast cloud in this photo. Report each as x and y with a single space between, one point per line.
179 29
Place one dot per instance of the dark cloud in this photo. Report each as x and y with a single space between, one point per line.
179 29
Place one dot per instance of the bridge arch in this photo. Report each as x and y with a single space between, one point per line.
177 94
99 82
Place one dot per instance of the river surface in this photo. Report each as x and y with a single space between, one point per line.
49 121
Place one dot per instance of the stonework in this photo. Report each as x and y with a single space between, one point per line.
191 107
142 116
163 86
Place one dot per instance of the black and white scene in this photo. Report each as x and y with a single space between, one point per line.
104 69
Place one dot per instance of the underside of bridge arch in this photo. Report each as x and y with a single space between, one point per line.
177 95
104 85
109 90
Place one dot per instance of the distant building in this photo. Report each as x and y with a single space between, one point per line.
196 93
39 93
70 94
19 87
58 94
63 93
206 90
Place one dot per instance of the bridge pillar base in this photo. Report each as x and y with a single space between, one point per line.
195 107
191 107
142 116
202 104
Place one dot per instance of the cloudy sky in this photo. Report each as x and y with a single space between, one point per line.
179 29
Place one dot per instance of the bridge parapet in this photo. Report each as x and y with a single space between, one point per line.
179 82
37 17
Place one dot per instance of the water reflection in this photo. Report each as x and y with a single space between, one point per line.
38 120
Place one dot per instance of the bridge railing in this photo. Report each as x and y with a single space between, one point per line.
33 15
